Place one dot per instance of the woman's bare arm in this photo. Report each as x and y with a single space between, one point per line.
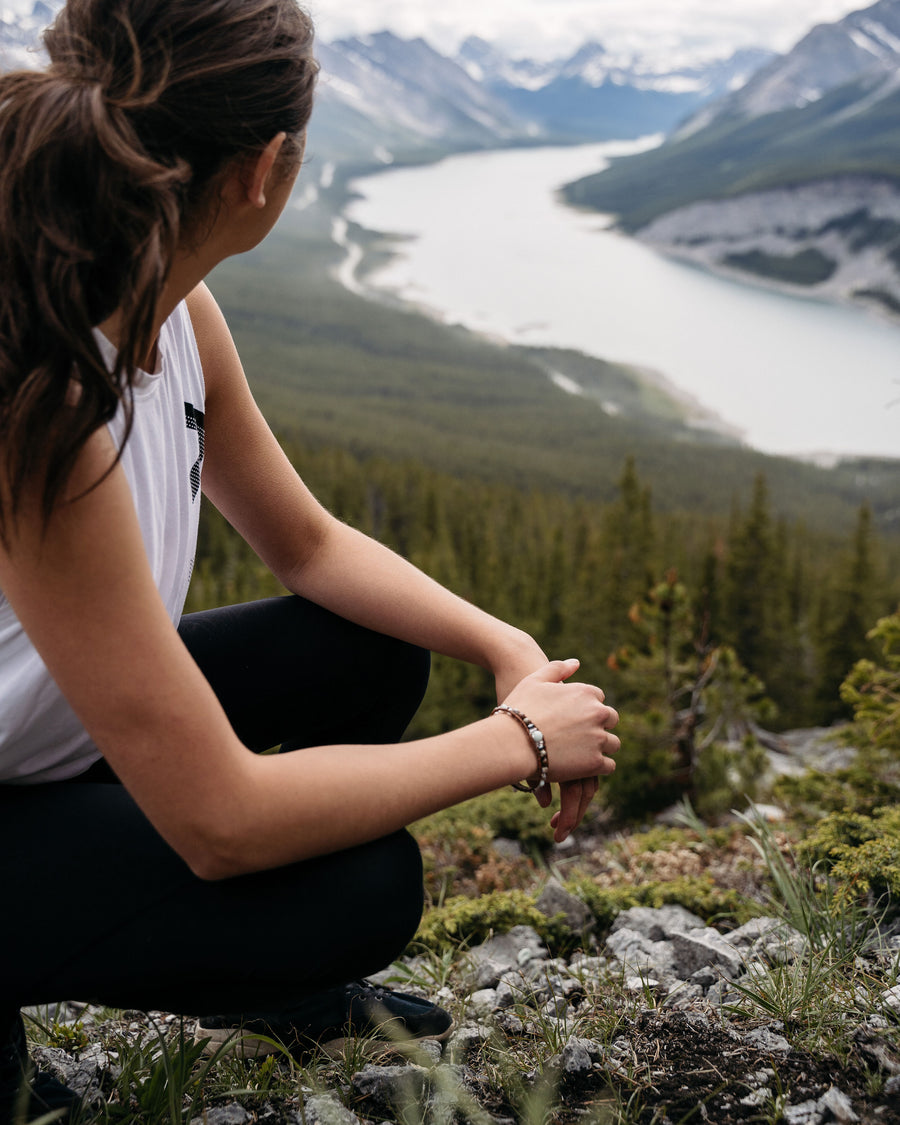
83 591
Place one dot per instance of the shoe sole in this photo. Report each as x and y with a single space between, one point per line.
228 1041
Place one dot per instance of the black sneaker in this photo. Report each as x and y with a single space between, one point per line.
359 1009
26 1093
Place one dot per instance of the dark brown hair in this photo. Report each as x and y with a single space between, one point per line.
108 160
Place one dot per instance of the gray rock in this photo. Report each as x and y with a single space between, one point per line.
806 1113
555 899
509 990
892 1086
639 953
704 977
482 1003
758 1098
702 948
577 1057
837 1103
325 1109
555 1008
231 1114
512 950
657 925
391 1088
506 848
465 1041
431 1048
483 973
747 935
722 993
765 1040
444 1106
586 966
82 1074
891 998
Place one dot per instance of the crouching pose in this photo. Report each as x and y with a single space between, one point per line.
149 857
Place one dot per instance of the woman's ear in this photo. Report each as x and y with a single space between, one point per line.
258 170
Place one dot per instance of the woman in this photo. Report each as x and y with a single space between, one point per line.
150 858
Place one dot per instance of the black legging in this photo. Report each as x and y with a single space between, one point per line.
96 906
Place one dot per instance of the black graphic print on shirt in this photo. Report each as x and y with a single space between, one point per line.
194 420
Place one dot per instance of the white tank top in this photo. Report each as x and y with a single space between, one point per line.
41 739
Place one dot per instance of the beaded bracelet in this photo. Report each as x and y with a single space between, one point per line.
540 746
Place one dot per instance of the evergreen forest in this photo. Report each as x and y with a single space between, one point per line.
715 593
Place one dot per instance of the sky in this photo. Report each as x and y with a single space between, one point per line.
547 28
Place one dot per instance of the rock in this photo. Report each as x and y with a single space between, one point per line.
511 951
806 1113
704 977
657 925
702 948
555 899
577 1057
747 935
639 953
838 1105
722 993
482 1003
892 1086
772 814
891 999
325 1109
83 1074
231 1114
555 1008
431 1048
444 1106
391 1088
508 991
465 1041
483 973
507 849
758 1098
765 1040
586 966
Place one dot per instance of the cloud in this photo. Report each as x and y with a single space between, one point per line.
543 27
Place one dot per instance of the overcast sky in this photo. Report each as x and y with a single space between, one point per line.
544 27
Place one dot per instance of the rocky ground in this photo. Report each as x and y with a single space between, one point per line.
646 1027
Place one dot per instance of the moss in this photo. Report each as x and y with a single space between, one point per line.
478 822
462 921
699 894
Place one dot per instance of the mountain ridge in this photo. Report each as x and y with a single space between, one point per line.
838 151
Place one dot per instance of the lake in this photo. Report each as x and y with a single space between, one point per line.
483 241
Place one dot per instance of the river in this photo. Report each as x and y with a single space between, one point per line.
482 240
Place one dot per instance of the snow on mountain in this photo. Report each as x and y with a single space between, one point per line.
865 44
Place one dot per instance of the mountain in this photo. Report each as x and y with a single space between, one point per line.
863 45
601 94
383 98
381 92
794 179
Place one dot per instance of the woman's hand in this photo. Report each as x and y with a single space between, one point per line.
572 717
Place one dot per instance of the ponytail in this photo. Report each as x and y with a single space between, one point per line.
107 161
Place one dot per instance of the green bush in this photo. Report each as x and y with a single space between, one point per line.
861 852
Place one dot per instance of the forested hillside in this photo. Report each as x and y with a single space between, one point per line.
585 577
